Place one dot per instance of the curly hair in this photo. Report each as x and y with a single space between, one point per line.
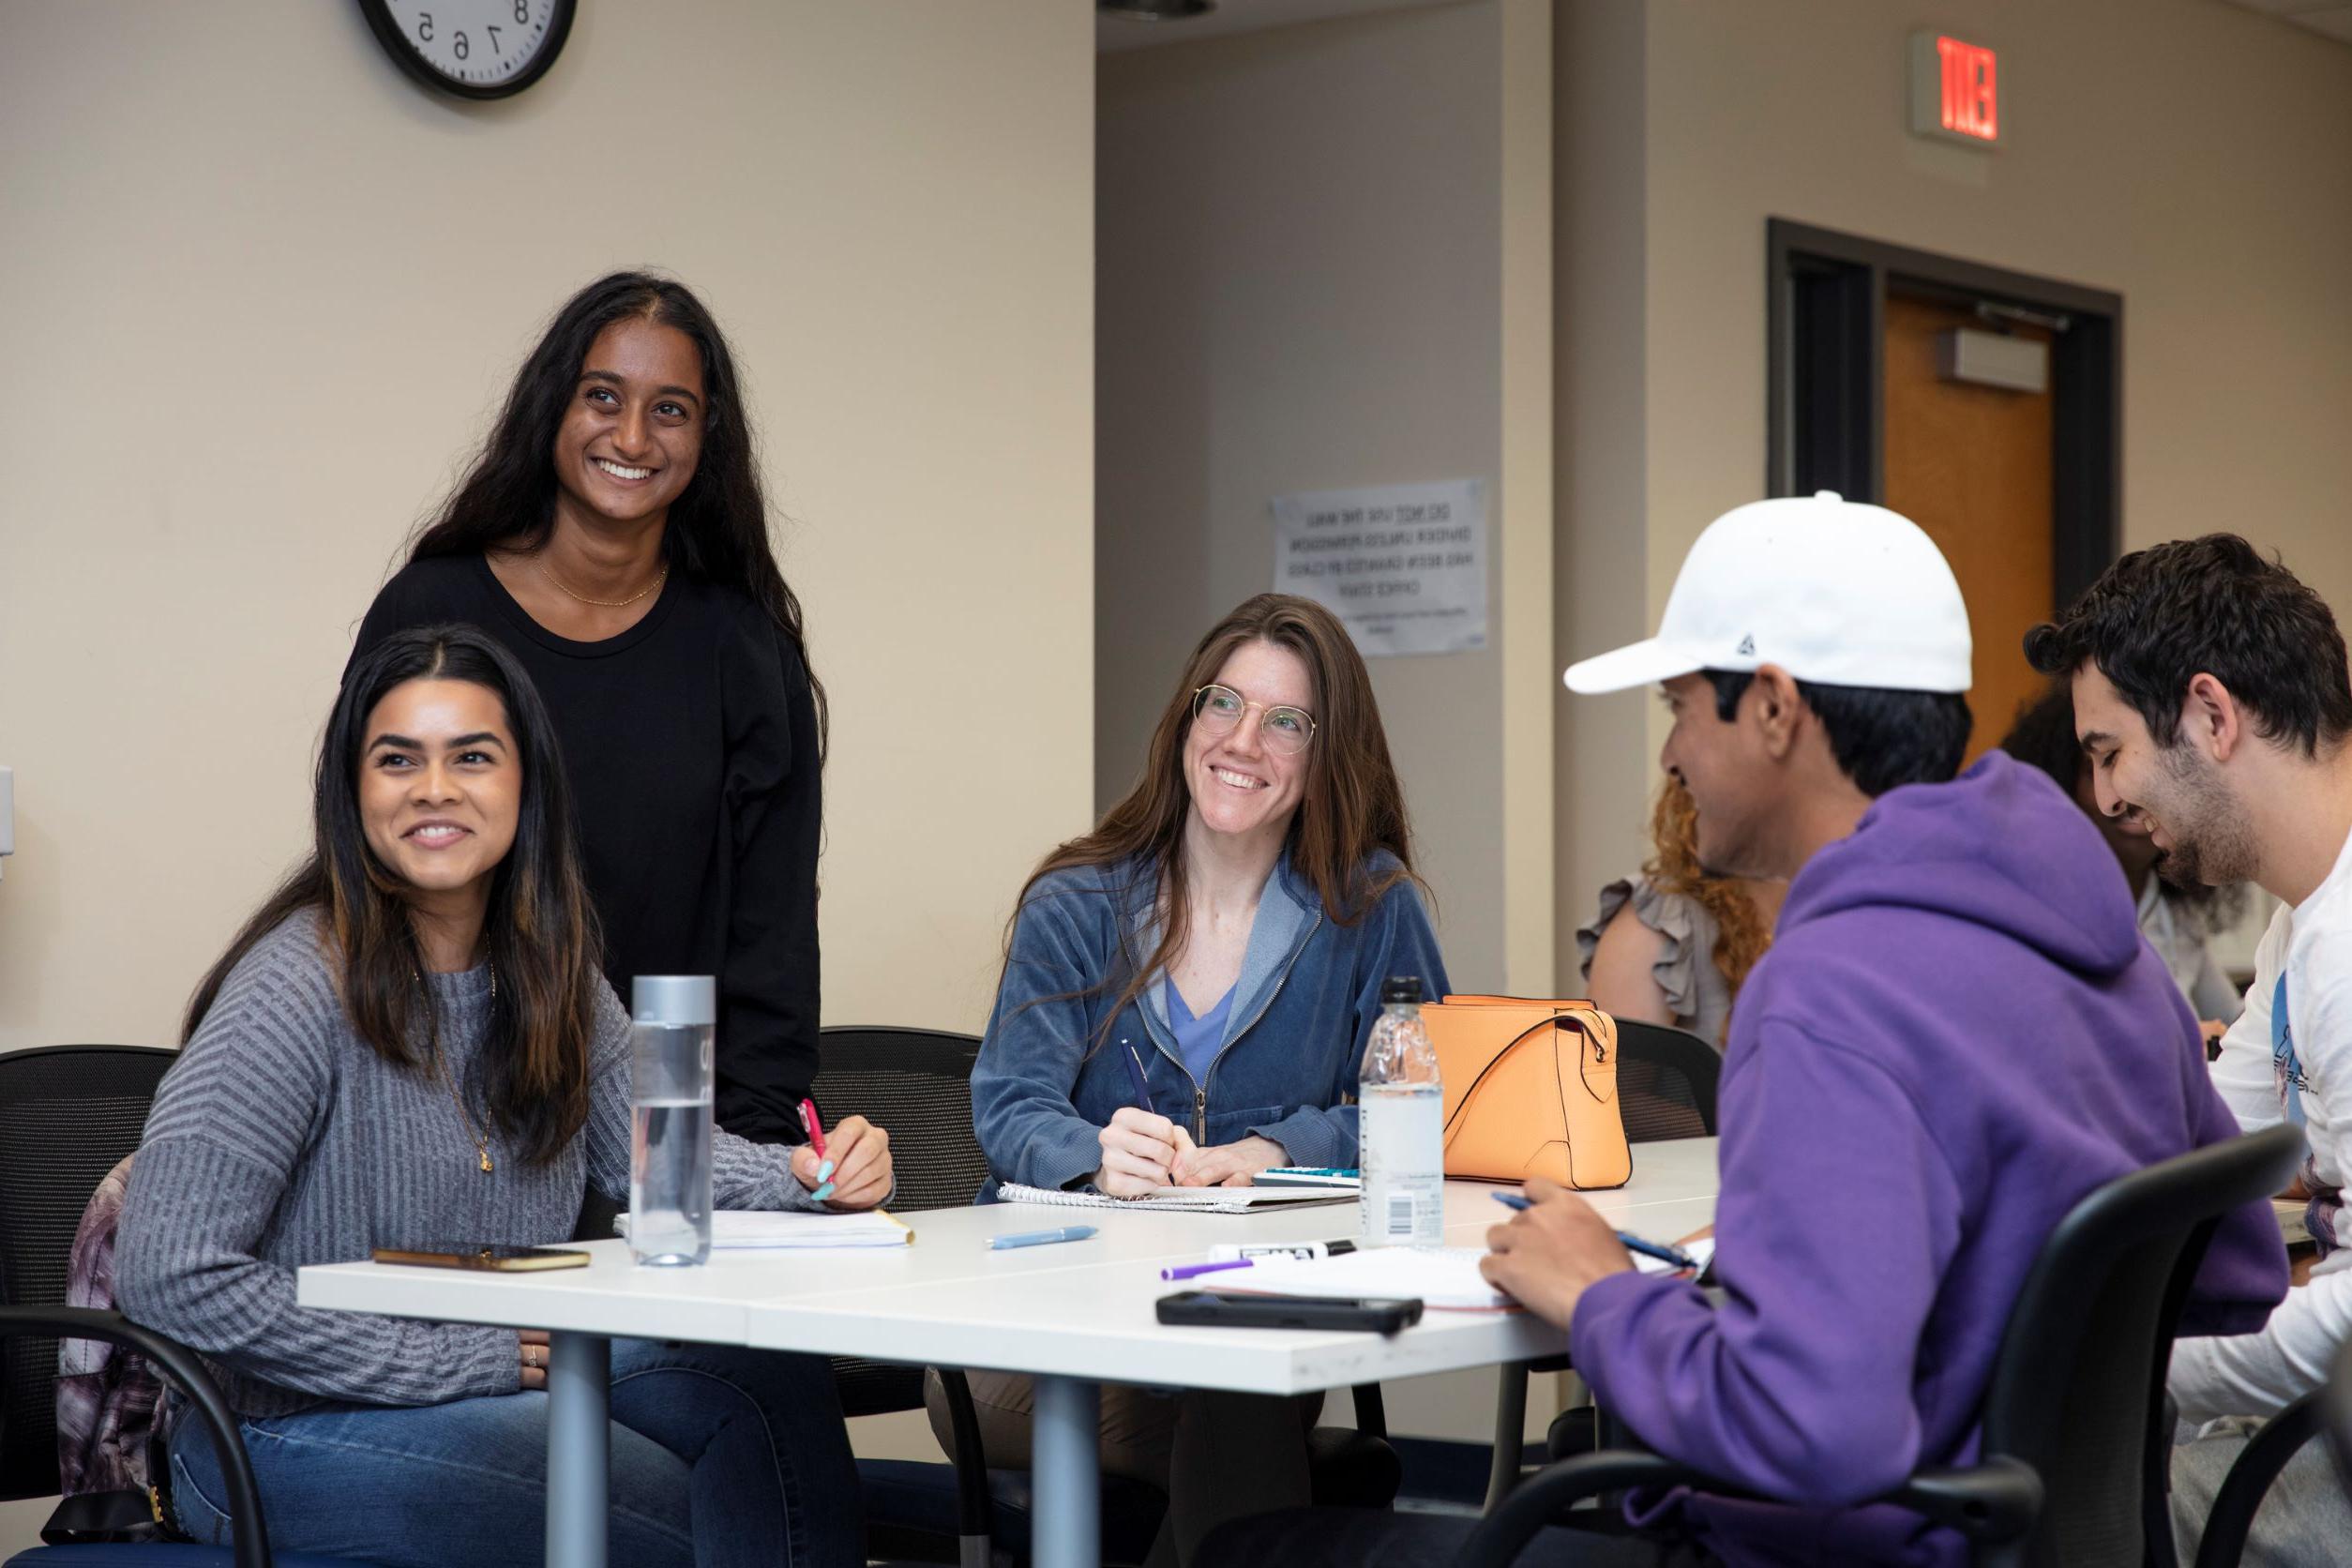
2162 616
1673 867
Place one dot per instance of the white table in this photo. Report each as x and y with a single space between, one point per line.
1074 1315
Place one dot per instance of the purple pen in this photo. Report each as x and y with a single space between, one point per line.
1188 1270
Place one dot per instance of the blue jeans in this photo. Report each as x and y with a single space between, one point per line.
721 1457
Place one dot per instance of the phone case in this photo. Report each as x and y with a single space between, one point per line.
1210 1309
486 1259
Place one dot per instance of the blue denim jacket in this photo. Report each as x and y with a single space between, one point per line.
1308 992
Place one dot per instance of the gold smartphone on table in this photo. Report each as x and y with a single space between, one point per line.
496 1259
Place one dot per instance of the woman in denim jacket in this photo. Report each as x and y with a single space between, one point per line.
1225 929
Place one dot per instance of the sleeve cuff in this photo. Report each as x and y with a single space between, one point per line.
1308 1137
1602 1314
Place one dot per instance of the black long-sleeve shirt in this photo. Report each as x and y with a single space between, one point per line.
690 742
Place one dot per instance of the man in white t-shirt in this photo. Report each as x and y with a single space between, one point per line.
2212 700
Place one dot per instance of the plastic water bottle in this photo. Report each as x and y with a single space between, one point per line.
1401 1105
670 1076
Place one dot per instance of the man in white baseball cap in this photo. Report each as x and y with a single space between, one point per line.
1894 1154
1839 630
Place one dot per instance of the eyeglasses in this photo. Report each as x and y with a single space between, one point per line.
1217 709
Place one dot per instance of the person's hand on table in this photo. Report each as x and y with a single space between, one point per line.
535 1354
1228 1164
1550 1253
859 1153
1139 1152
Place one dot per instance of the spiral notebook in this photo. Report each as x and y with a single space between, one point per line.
1181 1200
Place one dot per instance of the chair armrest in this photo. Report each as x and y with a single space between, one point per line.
249 1533
975 1515
1996 1501
2266 1453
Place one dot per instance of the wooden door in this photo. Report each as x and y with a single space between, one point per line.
1971 465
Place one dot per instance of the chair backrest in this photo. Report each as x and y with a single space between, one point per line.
1665 1082
916 1083
68 1114
2078 1384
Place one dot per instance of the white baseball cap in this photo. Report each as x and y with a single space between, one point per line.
1833 591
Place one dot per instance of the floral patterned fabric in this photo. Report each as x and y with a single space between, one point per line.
106 1395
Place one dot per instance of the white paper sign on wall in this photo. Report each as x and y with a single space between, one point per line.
1404 566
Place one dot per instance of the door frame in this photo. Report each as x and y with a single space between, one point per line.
1826 401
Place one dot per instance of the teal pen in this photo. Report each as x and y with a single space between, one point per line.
1663 1253
1041 1238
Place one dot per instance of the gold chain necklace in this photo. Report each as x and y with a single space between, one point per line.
432 1017
659 578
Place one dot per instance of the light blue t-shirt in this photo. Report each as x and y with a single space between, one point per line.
1198 1039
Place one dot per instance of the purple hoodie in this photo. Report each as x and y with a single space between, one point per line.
1957 1033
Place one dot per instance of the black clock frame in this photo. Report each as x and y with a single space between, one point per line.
396 43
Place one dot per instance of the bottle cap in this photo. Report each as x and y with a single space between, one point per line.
1401 988
675 1001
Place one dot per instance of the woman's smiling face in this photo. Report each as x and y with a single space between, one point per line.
440 784
633 431
1239 785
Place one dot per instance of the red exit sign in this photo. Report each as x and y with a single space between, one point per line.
1955 90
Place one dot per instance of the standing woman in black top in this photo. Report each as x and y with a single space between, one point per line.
613 536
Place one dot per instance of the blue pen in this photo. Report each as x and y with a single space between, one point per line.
1041 1238
1142 1085
1664 1253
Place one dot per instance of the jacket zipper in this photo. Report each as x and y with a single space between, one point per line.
1200 1085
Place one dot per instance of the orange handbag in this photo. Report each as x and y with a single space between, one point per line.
1531 1090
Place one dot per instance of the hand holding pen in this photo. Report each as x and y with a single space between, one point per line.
849 1168
1665 1252
1140 1146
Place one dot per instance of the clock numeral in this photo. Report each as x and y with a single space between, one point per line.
522 12
459 44
424 26
495 47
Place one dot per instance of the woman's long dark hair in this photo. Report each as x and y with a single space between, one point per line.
719 527
2043 736
1351 807
540 931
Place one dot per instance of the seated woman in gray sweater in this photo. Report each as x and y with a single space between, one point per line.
412 1043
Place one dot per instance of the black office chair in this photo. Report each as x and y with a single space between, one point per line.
69 1114
2072 1466
916 1082
1665 1089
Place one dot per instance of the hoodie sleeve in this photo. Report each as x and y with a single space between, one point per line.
1401 942
1770 1390
1036 1046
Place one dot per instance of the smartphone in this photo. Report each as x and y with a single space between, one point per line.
499 1260
1210 1309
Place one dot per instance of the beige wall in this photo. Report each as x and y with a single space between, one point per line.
1312 248
1325 260
2189 154
262 293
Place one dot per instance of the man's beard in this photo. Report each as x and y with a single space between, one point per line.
2213 845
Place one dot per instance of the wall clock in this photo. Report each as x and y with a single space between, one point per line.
474 49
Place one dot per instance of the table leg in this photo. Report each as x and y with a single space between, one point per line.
578 1448
1503 1472
1066 1529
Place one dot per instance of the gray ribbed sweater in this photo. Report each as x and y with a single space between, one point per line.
280 1138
